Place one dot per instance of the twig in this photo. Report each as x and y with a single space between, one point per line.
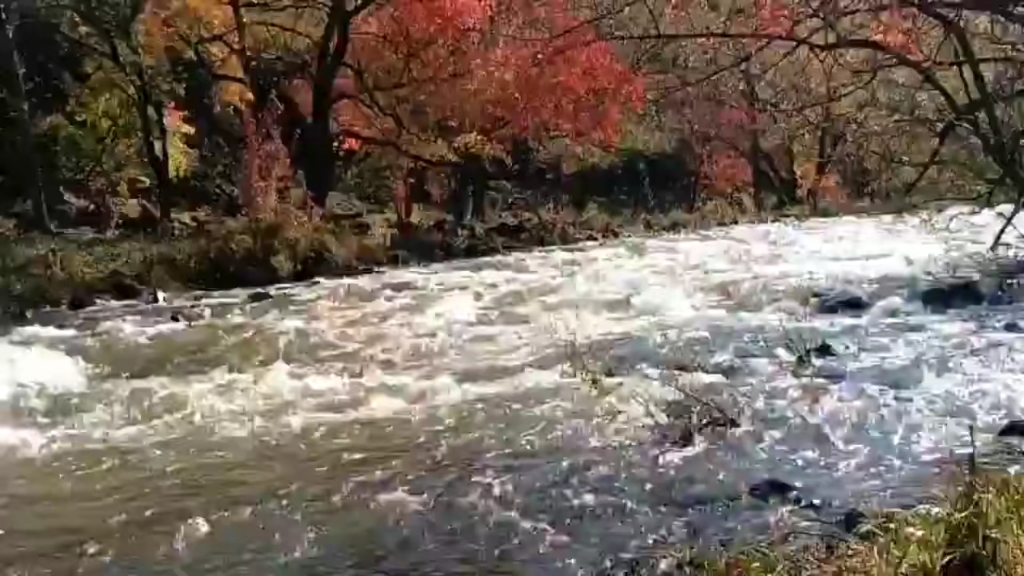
1007 224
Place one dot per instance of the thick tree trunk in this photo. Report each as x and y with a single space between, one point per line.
319 137
319 157
13 74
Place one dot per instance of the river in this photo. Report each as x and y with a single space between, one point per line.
423 421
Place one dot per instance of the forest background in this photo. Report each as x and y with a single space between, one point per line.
224 143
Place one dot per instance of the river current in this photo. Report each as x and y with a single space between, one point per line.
424 420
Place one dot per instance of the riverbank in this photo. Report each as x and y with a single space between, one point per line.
974 527
77 270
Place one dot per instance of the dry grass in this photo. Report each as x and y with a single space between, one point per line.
38 270
976 529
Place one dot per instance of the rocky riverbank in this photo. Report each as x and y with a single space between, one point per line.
974 526
78 270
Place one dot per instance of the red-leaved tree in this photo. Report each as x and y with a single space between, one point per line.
822 78
425 71
499 68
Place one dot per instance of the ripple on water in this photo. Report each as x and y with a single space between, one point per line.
420 420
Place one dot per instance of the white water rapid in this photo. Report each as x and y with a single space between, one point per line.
422 420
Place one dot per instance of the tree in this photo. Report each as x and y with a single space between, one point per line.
112 36
411 75
949 69
12 71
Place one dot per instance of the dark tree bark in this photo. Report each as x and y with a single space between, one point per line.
319 139
28 168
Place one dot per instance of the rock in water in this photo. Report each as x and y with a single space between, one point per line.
852 520
192 315
773 489
1013 327
952 295
259 296
81 300
1012 429
841 300
999 298
153 296
824 350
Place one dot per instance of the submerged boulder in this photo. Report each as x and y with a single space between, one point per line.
953 294
80 300
1012 429
841 300
259 296
192 314
774 490
771 489
824 350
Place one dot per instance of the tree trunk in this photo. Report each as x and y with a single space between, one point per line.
155 145
150 111
28 170
319 155
319 137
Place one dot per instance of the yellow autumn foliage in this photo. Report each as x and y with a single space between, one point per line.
167 26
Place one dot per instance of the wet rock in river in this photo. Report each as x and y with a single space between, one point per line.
80 300
191 315
824 350
841 300
774 490
771 489
1012 429
953 294
153 296
999 298
1013 327
830 372
259 296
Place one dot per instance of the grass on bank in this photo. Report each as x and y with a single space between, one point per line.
975 529
37 270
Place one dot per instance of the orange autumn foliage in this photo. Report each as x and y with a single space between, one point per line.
419 73
498 68
828 186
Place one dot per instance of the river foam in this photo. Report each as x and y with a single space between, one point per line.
476 351
411 338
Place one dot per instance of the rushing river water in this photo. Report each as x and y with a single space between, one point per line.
422 421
